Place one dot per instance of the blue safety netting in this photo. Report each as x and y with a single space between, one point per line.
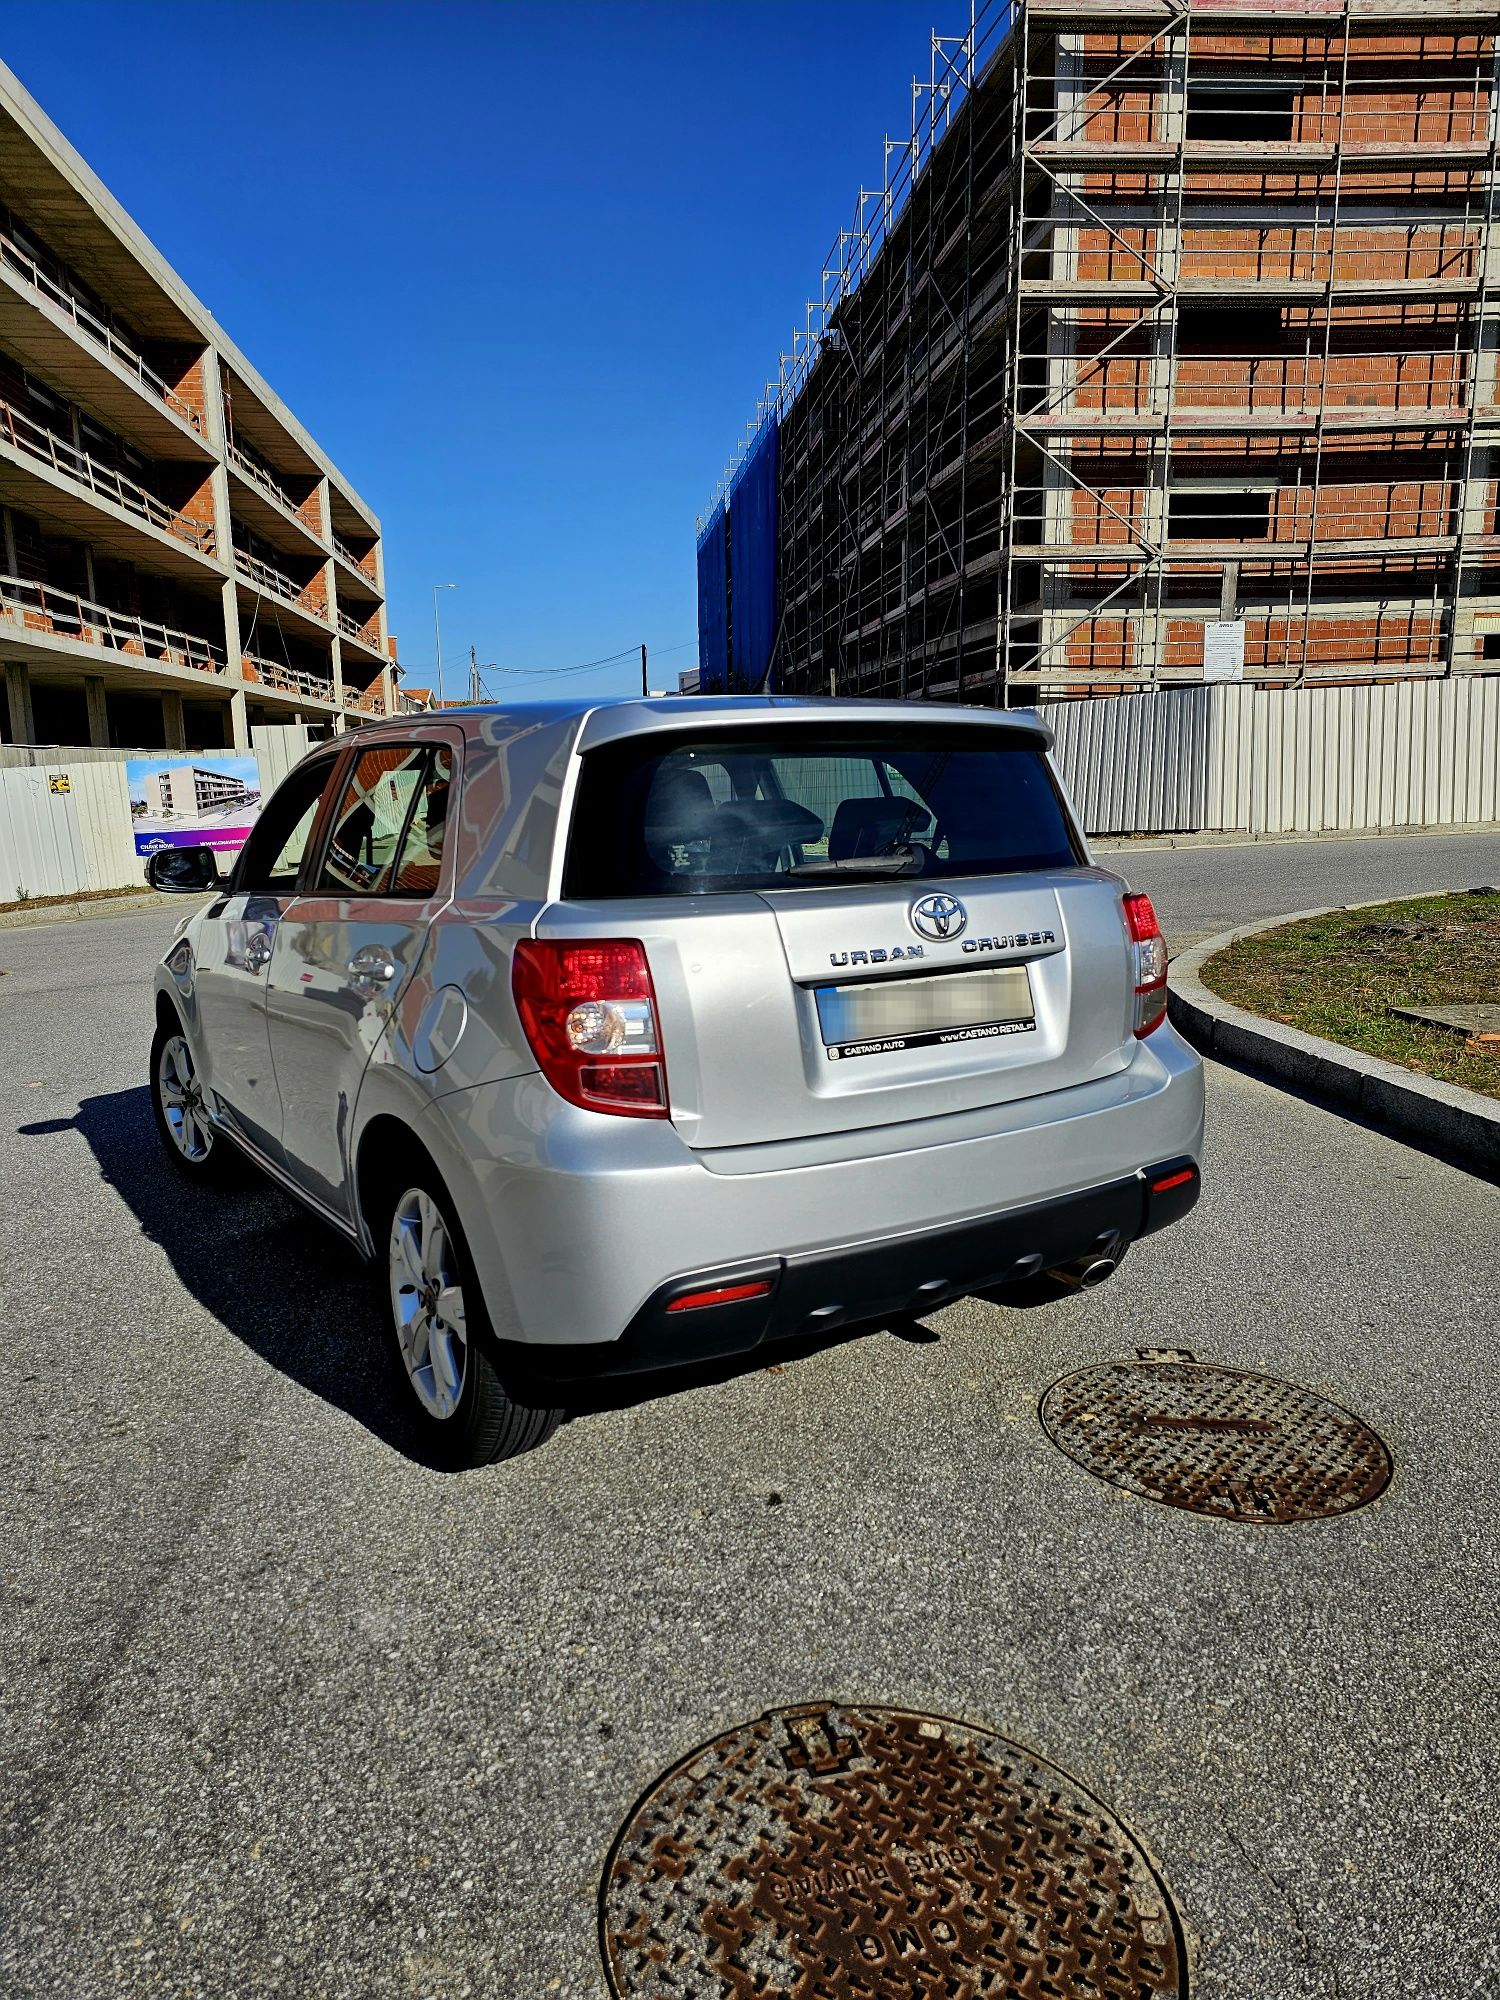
752 559
713 606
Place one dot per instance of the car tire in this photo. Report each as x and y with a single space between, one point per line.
193 1145
469 1413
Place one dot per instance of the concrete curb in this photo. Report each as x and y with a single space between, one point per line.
1458 1122
107 906
1148 843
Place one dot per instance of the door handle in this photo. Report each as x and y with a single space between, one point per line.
371 970
257 951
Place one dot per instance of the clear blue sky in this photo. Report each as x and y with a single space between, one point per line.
522 270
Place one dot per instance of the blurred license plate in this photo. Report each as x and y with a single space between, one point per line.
881 1016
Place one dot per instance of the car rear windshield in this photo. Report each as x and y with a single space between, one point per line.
803 805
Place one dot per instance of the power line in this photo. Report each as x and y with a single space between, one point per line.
581 667
592 666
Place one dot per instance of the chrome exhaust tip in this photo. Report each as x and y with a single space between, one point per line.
1084 1276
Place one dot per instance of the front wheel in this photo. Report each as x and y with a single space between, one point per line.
182 1119
444 1338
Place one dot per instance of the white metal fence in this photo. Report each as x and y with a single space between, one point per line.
1219 759
1136 764
64 828
1230 759
277 748
65 825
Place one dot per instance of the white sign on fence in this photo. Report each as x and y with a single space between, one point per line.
1224 650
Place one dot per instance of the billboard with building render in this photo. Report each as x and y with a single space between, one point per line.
184 800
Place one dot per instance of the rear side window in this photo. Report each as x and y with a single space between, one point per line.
691 814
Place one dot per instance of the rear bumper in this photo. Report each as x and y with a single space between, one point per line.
899 1274
579 1223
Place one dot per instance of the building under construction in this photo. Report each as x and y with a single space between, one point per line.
1166 351
179 559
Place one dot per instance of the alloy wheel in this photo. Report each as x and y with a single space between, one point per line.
182 1100
427 1300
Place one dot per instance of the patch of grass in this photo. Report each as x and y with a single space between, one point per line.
1335 976
79 896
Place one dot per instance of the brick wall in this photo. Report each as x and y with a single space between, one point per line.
1423 89
189 390
198 507
1406 641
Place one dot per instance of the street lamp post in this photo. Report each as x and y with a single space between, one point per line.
437 634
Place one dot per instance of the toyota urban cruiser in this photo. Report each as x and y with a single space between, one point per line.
629 1033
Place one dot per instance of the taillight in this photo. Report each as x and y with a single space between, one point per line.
1148 952
589 1013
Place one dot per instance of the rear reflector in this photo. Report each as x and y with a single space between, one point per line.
1148 950
1172 1188
721 1295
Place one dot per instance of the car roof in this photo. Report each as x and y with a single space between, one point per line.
604 721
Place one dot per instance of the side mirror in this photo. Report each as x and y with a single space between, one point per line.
183 871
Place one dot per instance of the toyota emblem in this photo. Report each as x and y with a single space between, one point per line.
938 918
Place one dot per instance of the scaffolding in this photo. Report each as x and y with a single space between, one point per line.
1166 350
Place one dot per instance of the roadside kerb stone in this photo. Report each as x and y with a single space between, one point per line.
1149 843
106 906
1459 1122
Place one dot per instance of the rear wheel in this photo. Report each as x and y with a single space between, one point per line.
444 1338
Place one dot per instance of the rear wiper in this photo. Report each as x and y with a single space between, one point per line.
907 862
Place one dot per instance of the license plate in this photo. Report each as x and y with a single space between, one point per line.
881 1017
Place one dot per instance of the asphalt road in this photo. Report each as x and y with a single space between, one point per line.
284 1713
1200 891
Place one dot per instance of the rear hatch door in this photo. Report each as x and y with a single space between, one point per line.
831 952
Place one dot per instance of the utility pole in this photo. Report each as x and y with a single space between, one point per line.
474 694
437 638
644 689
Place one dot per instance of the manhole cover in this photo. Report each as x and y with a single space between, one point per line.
828 1853
1216 1440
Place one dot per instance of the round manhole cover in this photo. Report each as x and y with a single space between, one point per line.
826 1852
1216 1440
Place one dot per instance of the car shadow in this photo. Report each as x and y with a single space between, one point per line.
269 1272
590 1396
302 1299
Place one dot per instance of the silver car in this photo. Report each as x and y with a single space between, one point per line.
623 1034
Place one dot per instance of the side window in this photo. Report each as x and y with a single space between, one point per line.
387 835
422 851
273 855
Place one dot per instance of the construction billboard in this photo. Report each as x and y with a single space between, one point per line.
192 801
